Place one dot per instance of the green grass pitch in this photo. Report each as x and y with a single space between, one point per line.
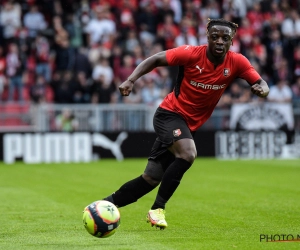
219 205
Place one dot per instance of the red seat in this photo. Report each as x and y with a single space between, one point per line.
16 108
12 114
13 122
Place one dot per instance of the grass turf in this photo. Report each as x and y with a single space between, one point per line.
219 205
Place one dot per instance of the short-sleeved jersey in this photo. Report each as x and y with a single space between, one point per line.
201 84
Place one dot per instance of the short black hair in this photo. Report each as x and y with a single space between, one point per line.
223 22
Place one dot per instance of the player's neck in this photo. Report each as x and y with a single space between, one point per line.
214 60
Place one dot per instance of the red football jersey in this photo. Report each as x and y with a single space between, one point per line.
202 84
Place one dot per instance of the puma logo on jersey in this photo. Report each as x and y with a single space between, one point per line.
200 69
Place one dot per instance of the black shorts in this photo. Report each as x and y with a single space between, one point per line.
169 127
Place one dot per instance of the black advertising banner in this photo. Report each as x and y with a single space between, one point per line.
86 147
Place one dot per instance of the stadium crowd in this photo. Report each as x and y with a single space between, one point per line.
65 51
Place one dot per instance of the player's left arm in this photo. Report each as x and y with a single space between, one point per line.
260 88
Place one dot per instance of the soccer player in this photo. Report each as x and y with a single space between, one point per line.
204 73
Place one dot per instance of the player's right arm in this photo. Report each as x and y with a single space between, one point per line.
157 60
259 87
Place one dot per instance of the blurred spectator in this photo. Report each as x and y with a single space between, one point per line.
55 83
34 21
23 41
237 9
157 47
3 83
38 91
101 30
66 121
297 61
59 32
102 68
126 68
277 58
81 61
202 36
10 20
166 7
126 16
74 30
259 50
167 31
82 89
281 92
271 32
14 69
145 20
236 45
285 6
163 9
147 42
282 72
238 93
176 6
131 41
290 29
2 61
64 56
164 82
64 88
29 79
55 7
102 91
256 17
291 26
211 10
191 9
83 13
245 34
43 57
275 40
274 47
187 33
135 96
138 55
296 90
115 59
151 94
275 11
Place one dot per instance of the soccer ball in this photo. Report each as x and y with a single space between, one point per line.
101 218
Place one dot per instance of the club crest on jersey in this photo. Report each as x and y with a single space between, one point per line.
176 132
226 72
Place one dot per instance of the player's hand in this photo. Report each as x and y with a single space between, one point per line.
258 90
126 88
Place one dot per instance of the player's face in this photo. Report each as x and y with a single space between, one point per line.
219 40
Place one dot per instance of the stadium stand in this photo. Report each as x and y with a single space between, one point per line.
78 52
